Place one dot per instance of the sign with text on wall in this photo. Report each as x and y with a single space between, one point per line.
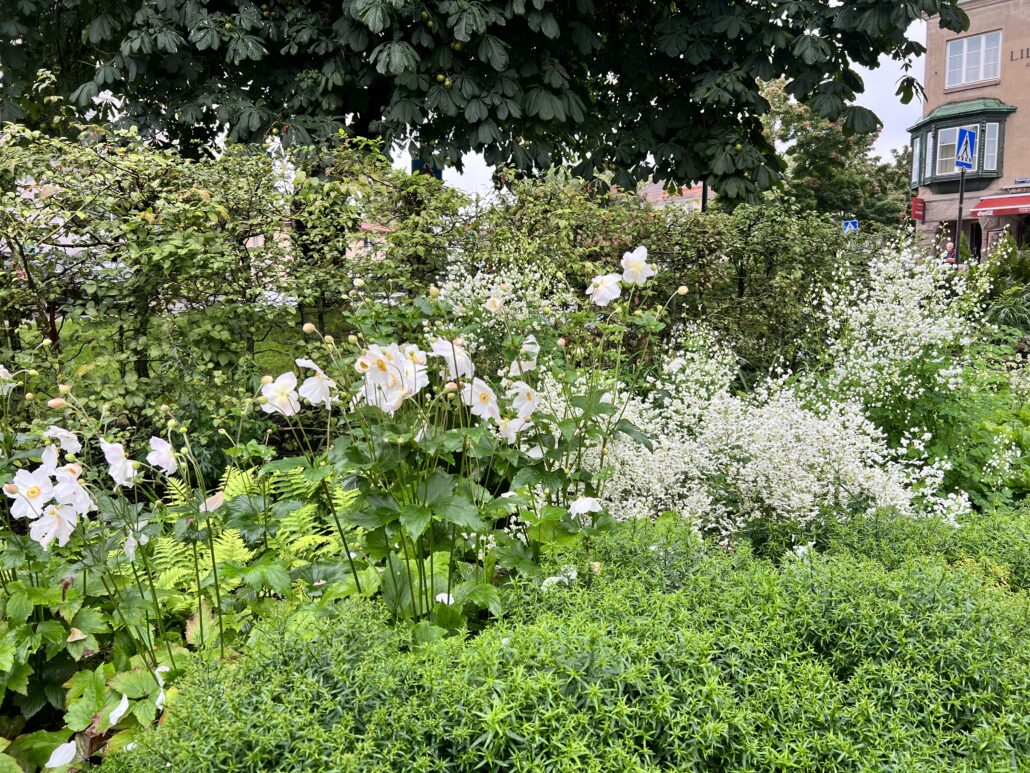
918 209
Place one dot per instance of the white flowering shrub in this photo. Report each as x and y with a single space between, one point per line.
728 461
901 333
511 286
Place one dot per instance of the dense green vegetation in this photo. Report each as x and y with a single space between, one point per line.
663 654
314 464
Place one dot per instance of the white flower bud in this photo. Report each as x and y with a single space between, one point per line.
308 327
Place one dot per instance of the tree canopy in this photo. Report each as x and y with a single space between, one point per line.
831 171
636 87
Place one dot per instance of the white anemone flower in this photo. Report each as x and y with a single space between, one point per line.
212 503
119 466
6 382
69 489
48 460
316 389
481 399
459 364
135 539
119 711
605 289
635 268
494 304
509 429
62 755
162 455
526 361
378 364
56 522
444 598
413 371
386 397
524 398
68 441
281 395
585 505
31 492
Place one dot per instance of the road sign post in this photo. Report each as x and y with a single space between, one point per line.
965 151
851 226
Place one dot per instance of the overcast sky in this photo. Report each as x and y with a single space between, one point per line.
880 87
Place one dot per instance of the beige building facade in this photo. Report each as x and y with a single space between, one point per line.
979 80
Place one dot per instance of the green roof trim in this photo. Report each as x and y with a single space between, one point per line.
958 109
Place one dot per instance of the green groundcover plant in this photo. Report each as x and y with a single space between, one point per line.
653 653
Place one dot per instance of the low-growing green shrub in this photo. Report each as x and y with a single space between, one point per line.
659 655
997 544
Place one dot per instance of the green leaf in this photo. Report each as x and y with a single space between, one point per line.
458 510
19 607
415 519
137 683
493 51
483 595
267 574
628 428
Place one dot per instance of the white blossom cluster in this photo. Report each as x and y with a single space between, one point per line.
723 460
895 333
512 288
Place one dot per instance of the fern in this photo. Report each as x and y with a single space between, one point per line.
179 492
236 483
304 536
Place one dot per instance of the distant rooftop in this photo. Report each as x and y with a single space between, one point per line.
658 195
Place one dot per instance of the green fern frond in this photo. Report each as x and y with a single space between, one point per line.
236 482
179 492
230 547
344 499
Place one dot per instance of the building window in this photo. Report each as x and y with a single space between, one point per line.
991 148
974 59
915 160
947 139
928 158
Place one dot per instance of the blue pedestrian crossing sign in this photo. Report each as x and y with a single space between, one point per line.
851 226
966 149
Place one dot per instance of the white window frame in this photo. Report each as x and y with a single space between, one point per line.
928 157
949 161
992 143
977 63
917 145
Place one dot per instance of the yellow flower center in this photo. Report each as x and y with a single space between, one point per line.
381 364
32 492
484 397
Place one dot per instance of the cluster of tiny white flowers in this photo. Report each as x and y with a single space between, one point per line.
723 461
894 333
512 287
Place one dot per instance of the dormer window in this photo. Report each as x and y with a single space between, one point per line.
974 60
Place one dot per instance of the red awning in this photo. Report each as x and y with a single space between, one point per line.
998 206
